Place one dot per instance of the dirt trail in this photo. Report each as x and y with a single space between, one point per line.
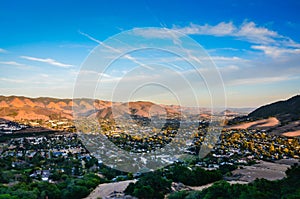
104 190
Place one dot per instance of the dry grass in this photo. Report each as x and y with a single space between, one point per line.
270 122
292 133
266 170
104 190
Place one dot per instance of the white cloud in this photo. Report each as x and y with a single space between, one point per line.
44 75
255 34
11 80
2 50
48 61
224 49
221 29
260 80
222 58
270 42
13 63
247 31
161 33
92 72
274 51
229 68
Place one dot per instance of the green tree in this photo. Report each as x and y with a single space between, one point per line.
7 196
152 185
144 192
75 192
178 195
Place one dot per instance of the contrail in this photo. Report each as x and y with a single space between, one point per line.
129 57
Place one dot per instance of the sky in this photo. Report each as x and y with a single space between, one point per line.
254 45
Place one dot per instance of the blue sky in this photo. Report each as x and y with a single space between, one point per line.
254 44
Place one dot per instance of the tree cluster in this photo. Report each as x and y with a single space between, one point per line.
287 188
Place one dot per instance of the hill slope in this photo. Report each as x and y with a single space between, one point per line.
281 118
283 110
44 108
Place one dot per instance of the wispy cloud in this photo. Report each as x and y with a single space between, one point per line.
92 72
11 80
127 56
248 31
260 80
251 32
213 50
13 63
48 61
223 58
270 42
153 32
2 50
274 51
220 29
229 68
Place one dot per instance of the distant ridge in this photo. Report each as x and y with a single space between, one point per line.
283 110
47 108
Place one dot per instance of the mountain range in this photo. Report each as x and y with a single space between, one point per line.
45 108
278 117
